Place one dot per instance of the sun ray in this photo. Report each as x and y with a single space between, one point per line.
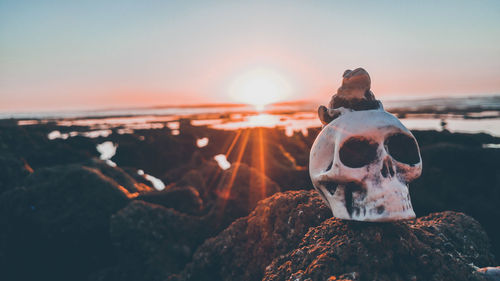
214 179
262 167
225 193
239 156
233 143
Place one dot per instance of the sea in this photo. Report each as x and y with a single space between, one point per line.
473 114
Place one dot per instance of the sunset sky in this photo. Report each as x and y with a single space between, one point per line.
99 54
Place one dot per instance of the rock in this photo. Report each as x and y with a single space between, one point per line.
284 159
185 199
268 154
120 176
228 194
244 249
195 162
197 179
238 191
12 172
153 241
57 225
31 144
296 146
204 178
156 155
441 246
433 138
139 177
468 179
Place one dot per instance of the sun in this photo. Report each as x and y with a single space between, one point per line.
259 87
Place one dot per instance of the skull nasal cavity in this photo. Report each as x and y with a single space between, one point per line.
387 169
357 152
403 148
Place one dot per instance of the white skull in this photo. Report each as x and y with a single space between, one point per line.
361 164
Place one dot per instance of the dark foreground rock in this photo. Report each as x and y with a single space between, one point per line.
119 175
441 246
185 199
287 238
238 191
31 144
157 154
461 178
226 194
56 226
152 241
244 249
12 172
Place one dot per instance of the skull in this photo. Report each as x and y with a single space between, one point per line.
362 162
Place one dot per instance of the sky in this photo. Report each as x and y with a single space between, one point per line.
65 55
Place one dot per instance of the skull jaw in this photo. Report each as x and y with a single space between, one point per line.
372 215
393 216
391 203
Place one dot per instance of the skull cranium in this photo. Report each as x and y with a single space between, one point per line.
362 162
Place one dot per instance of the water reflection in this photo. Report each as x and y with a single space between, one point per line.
156 182
202 142
291 122
222 161
107 150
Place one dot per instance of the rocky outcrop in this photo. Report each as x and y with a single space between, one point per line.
31 144
288 237
152 241
157 154
244 249
238 191
462 177
57 223
12 172
441 246
185 199
119 175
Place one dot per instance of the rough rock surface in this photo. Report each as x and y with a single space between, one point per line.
282 158
119 175
157 154
185 199
58 224
468 178
277 163
441 246
244 249
31 144
12 172
153 241
238 191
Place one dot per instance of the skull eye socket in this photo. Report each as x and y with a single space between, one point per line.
403 148
357 152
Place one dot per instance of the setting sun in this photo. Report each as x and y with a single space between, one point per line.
259 87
